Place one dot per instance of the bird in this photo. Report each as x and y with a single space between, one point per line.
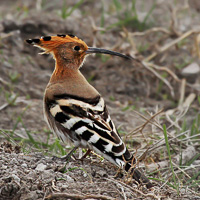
75 111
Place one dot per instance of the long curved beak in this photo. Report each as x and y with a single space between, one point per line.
104 51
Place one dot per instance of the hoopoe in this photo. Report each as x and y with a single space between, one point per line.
74 110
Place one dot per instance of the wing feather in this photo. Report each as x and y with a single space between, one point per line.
91 124
90 116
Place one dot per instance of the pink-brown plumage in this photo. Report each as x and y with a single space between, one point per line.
74 110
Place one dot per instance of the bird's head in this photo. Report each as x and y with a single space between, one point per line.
69 50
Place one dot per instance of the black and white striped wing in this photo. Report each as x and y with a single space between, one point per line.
91 126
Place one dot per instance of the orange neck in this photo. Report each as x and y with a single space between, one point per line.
62 73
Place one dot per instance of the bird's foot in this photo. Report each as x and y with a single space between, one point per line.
66 157
83 157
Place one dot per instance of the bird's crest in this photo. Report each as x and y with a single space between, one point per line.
49 43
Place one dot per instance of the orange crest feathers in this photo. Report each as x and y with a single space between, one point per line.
49 43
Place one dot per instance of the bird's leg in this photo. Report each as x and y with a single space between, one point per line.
84 156
68 156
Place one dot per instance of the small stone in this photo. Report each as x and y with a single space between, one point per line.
41 167
84 175
27 157
16 178
48 175
64 186
102 173
192 68
24 165
14 161
191 72
7 64
4 167
26 171
68 178
31 175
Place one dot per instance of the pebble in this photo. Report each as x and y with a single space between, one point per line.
7 64
4 167
48 175
102 173
24 165
64 186
191 72
14 161
41 167
16 178
68 178
191 69
84 174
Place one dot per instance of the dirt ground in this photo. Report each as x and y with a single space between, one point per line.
29 171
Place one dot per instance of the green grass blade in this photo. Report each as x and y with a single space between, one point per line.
74 8
118 5
193 178
169 154
149 13
133 8
193 159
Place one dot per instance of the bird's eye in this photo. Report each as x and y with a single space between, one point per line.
77 48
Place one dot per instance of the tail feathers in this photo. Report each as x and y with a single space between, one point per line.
138 175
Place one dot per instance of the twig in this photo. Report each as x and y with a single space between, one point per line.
141 127
4 82
197 41
173 24
95 30
2 131
5 35
170 44
125 198
78 196
133 189
181 170
152 30
4 106
182 91
152 117
54 186
190 137
192 191
182 110
154 146
173 75
126 34
161 68
187 154
147 66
